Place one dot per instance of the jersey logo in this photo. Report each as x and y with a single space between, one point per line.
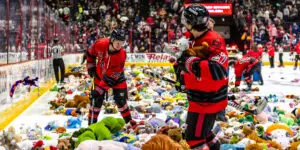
216 43
243 60
220 58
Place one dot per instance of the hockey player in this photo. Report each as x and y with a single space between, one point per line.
257 52
108 73
205 79
247 66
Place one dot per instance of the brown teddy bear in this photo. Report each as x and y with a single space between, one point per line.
176 135
60 130
63 144
78 102
161 141
56 103
199 51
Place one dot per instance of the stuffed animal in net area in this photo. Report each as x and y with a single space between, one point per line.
78 101
98 131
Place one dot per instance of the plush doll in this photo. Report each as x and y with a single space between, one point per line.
262 117
54 104
199 51
127 138
249 133
98 131
295 146
78 101
60 130
75 74
279 126
59 109
161 142
63 144
176 135
7 141
105 145
73 122
288 121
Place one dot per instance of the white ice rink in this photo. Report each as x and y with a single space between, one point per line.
276 81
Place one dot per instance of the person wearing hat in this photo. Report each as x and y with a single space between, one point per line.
108 72
58 62
206 79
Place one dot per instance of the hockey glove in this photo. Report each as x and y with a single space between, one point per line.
179 87
112 82
182 59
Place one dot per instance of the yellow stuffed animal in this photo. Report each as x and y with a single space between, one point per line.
252 135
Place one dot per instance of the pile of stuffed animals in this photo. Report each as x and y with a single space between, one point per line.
160 112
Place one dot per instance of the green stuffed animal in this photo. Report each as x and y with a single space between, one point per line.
288 121
102 130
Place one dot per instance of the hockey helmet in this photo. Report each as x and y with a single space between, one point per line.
118 34
197 16
56 40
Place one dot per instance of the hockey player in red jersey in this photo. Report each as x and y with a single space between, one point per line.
206 79
247 66
108 73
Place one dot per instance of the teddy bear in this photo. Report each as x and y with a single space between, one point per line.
199 51
176 135
78 101
54 104
9 139
98 131
161 141
60 130
63 144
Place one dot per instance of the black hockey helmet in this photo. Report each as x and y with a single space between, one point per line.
56 40
117 34
197 16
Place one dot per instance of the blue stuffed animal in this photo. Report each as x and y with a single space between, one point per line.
74 122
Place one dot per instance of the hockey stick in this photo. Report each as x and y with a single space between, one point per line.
231 102
258 110
93 100
159 77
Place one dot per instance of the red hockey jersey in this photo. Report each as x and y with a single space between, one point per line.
243 64
208 93
271 50
109 64
256 54
297 48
